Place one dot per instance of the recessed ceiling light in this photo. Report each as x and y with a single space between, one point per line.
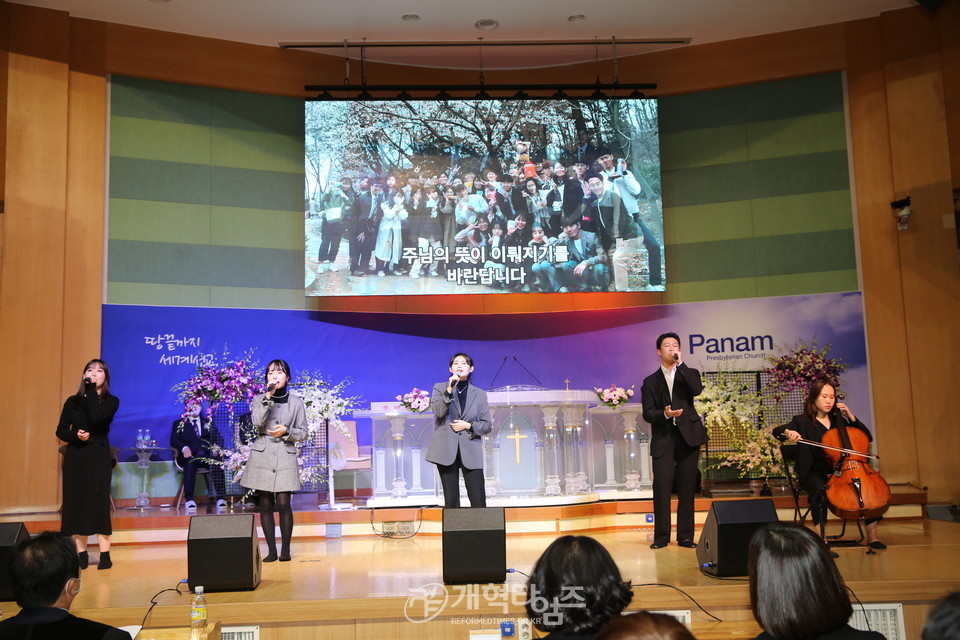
577 17
486 24
159 1
409 17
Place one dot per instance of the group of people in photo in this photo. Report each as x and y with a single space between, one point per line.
540 226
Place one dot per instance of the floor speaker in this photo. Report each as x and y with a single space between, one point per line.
474 546
725 538
223 553
11 534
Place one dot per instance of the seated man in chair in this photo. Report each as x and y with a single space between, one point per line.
192 437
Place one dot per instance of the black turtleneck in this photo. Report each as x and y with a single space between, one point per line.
461 390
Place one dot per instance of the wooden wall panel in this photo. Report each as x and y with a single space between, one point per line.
86 181
880 253
920 160
31 291
949 21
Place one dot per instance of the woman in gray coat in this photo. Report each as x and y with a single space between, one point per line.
272 470
462 419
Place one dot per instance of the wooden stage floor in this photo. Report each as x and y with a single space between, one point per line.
358 587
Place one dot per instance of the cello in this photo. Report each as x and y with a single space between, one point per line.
855 491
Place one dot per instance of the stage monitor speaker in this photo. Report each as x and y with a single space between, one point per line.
725 538
223 553
11 534
474 545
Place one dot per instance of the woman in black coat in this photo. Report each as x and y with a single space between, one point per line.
88 461
821 412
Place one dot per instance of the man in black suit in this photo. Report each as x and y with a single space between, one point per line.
362 226
678 433
192 437
45 575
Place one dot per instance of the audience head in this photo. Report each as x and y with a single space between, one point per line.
943 623
97 371
796 591
644 625
532 185
45 571
575 587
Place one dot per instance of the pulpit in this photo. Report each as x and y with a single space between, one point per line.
547 447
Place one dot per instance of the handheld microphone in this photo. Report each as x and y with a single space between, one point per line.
676 357
271 387
87 381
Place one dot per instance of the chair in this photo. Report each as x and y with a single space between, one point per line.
176 463
788 453
114 458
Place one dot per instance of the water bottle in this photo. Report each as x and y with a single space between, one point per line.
198 614
146 439
139 438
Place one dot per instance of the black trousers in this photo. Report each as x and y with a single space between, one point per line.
215 477
450 481
678 462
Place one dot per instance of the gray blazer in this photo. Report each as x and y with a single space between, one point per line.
445 443
272 465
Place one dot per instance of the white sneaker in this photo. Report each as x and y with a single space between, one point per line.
190 505
221 504
414 275
334 267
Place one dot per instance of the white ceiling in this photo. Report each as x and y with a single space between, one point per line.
270 22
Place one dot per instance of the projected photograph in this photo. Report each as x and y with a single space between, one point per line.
482 197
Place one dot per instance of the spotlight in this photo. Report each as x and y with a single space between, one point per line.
560 95
404 95
598 95
443 95
636 93
326 95
364 95
483 95
902 212
521 95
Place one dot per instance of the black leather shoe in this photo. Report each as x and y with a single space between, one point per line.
689 544
876 544
270 557
658 545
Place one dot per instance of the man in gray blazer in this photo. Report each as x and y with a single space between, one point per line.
462 419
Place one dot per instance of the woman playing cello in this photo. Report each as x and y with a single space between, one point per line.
821 413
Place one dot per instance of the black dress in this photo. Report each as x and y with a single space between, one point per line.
87 466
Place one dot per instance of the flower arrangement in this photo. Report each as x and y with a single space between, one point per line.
416 400
220 381
727 399
798 366
754 451
324 401
614 396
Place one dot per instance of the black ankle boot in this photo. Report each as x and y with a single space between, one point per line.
272 556
105 561
84 560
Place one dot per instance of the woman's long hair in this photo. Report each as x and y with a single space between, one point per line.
796 590
105 390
